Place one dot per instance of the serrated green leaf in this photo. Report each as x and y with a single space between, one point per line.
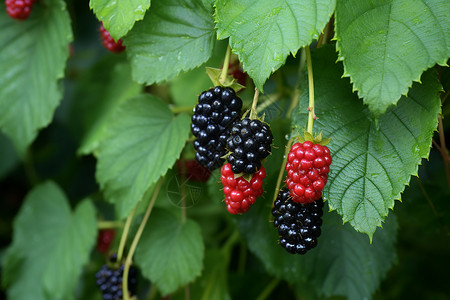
119 16
170 252
386 45
50 245
372 162
32 60
343 263
106 86
174 36
143 141
264 32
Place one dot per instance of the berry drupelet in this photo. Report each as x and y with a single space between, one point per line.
298 224
19 9
249 143
214 115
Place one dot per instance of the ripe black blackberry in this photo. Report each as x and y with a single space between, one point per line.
109 280
214 115
298 224
249 143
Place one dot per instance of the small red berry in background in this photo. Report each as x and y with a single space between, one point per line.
193 170
109 42
19 9
240 194
307 171
104 239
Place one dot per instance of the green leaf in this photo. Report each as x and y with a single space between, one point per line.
8 156
175 36
372 161
106 86
386 45
343 263
119 16
50 245
264 32
170 252
143 141
32 60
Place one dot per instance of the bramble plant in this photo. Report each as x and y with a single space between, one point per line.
225 149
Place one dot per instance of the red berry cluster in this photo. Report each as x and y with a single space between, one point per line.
109 42
307 167
19 9
240 194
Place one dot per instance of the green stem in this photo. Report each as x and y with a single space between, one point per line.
109 224
269 289
226 62
253 114
311 115
283 165
136 241
125 231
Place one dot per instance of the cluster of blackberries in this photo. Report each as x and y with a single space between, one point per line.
298 224
249 143
214 115
109 281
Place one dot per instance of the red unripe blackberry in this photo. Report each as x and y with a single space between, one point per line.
109 280
19 9
109 42
307 171
104 239
194 171
298 224
249 143
240 194
214 115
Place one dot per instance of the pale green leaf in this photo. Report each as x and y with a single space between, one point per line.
386 45
143 141
50 245
175 36
105 87
264 32
119 16
372 162
170 252
32 61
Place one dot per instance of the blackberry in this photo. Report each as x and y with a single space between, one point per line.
214 115
298 224
249 143
109 281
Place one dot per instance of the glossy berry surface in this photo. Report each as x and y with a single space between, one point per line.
307 171
104 239
110 281
19 9
240 194
109 42
298 224
214 115
249 143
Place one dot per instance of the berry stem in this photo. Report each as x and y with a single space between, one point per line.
181 109
311 115
253 114
136 241
268 289
283 166
109 224
125 231
226 62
